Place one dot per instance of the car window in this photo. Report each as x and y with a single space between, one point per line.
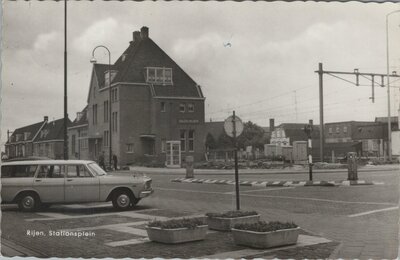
18 171
96 169
77 171
50 171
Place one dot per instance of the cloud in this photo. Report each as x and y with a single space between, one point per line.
44 41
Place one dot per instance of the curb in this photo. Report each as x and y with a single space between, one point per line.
276 183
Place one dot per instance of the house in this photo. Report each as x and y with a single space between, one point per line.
43 139
372 135
78 136
157 109
287 133
20 143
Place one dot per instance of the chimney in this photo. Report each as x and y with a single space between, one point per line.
46 118
144 32
271 124
136 36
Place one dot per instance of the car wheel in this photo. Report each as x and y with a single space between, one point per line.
29 202
122 200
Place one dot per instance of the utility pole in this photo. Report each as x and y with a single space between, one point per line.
65 85
356 72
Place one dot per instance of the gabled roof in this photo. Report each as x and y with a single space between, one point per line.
144 52
82 120
32 129
52 131
99 70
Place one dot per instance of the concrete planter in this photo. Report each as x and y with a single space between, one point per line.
226 224
264 240
177 235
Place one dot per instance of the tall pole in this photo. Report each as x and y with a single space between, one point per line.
236 162
321 113
93 60
65 85
388 86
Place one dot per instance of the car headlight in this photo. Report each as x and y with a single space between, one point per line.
147 185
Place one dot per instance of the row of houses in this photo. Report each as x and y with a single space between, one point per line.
152 110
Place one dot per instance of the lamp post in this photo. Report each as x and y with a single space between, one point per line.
93 60
388 85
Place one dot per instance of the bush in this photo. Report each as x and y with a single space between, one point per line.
232 214
263 226
190 223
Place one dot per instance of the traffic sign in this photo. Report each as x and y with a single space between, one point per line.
229 126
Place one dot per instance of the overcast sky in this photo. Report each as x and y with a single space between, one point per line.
267 71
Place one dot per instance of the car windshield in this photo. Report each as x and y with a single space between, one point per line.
96 169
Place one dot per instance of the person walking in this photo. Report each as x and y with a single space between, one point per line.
102 163
115 161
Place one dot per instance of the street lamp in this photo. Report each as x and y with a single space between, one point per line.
388 85
93 60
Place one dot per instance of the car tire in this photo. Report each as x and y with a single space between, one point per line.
122 200
29 202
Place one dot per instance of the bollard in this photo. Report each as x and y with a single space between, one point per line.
189 167
352 166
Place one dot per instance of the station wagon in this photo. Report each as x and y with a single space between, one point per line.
38 184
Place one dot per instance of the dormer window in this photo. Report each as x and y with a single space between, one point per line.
27 135
106 74
157 75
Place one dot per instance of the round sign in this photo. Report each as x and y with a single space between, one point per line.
230 124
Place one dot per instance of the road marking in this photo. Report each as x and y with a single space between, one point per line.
134 241
372 212
286 197
57 216
265 189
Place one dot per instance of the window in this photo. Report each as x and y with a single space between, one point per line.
163 145
106 111
182 135
83 141
114 95
73 150
337 130
80 171
190 107
50 171
330 130
115 121
94 108
191 140
18 171
129 148
344 129
106 138
158 75
163 107
182 107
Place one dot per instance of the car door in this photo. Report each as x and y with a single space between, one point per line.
80 184
49 183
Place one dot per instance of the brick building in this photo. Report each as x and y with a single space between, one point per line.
78 136
157 110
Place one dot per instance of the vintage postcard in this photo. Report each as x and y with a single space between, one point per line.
200 130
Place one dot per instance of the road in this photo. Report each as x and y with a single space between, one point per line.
363 219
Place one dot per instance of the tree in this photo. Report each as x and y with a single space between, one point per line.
253 135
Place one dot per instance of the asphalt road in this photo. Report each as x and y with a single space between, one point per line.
363 219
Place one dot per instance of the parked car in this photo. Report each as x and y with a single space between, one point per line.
36 184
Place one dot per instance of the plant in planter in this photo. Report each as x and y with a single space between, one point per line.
265 234
225 221
177 230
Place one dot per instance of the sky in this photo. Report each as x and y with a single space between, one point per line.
257 58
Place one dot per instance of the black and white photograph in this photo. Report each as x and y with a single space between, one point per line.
200 129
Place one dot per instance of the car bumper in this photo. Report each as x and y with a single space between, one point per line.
145 193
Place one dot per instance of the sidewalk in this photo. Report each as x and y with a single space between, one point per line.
292 170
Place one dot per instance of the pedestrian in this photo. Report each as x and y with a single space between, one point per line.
115 161
101 161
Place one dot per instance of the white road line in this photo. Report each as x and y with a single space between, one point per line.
287 197
265 189
372 212
57 216
128 242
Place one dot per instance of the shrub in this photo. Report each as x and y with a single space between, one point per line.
190 223
263 226
232 214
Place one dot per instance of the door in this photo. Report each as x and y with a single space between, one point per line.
49 183
173 154
80 184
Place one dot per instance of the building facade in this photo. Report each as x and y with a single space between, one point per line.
155 109
78 146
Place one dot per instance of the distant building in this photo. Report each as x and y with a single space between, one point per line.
157 110
287 133
394 121
42 139
78 137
